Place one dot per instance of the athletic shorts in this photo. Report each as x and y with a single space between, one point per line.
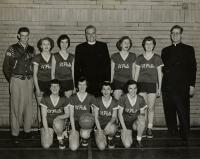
44 85
147 87
129 124
67 85
118 85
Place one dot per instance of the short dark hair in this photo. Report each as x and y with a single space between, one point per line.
23 29
90 27
107 83
177 27
148 38
119 42
81 79
128 83
48 39
55 81
62 37
48 91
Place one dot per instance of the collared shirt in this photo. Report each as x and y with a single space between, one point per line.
17 61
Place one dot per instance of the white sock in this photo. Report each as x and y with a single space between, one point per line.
139 138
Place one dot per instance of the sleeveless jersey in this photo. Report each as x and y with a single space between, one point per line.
105 114
123 68
81 107
44 68
130 112
63 69
148 68
54 110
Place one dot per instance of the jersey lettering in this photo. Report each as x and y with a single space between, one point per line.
45 66
147 66
54 111
80 107
65 64
105 113
121 66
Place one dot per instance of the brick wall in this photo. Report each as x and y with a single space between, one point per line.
113 19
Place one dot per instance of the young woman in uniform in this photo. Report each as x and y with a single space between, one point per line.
149 76
63 65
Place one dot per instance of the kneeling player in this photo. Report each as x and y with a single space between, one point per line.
54 109
81 117
105 117
132 115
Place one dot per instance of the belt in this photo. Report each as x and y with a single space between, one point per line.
22 77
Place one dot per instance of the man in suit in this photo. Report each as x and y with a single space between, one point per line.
92 61
179 75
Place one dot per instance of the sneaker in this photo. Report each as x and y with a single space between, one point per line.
139 144
84 142
65 135
111 144
118 134
61 145
149 133
144 134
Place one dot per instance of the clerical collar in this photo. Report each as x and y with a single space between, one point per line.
176 44
91 43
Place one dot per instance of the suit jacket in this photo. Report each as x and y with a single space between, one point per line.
179 71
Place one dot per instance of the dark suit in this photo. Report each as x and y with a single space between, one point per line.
92 62
179 73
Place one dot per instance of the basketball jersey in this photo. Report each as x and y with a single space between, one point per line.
148 68
63 70
44 67
54 110
123 68
81 107
105 113
130 112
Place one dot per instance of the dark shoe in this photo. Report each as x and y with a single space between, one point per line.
61 144
84 142
185 143
111 144
27 135
15 140
149 133
139 145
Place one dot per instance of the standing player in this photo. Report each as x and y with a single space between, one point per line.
42 68
54 109
122 65
105 117
132 115
149 76
63 65
81 103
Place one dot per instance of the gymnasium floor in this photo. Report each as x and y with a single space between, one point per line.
160 147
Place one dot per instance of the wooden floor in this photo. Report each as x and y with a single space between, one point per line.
160 147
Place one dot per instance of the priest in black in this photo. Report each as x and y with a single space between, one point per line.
179 75
92 61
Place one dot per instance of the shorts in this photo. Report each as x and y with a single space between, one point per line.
44 85
147 87
119 85
129 124
67 85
